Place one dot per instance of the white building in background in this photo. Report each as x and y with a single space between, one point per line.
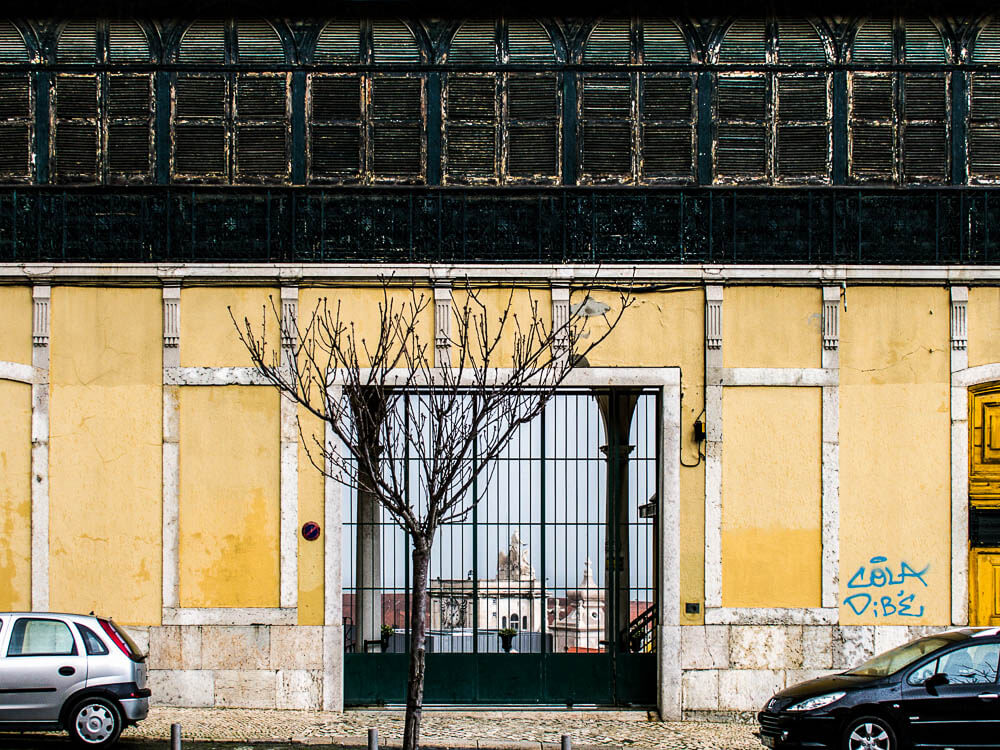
580 627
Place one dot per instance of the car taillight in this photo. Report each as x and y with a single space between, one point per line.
113 635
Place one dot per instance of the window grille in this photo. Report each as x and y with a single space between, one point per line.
637 126
502 126
16 108
102 121
898 123
367 127
231 126
772 126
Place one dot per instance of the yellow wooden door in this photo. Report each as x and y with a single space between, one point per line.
986 590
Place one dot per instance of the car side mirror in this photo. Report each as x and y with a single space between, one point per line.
935 681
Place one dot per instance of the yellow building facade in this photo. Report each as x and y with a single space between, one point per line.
148 473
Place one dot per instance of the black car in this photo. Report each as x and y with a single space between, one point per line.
939 691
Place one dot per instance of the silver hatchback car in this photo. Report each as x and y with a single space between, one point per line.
80 673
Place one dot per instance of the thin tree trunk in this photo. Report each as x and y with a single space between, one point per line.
418 637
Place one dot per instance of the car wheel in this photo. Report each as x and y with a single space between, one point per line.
869 733
95 723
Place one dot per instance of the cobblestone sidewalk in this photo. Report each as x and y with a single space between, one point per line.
494 729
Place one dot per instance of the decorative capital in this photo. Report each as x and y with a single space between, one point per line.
442 325
831 317
289 315
560 321
172 315
41 295
713 317
959 317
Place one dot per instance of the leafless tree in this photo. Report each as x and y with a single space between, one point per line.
383 393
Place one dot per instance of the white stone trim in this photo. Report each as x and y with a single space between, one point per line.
289 471
771 616
213 376
582 377
669 522
560 320
700 273
289 316
959 324
830 461
831 318
713 449
22 373
806 377
442 325
41 295
40 390
333 598
171 495
229 616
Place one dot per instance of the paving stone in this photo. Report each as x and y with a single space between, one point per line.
700 689
765 646
175 647
748 689
299 689
852 645
190 688
490 730
817 647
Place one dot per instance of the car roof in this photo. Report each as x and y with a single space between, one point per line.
48 614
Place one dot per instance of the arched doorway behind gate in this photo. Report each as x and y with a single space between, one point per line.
546 593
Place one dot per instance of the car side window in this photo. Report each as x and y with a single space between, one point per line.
971 665
38 637
94 645
921 673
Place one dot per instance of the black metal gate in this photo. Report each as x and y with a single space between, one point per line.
546 593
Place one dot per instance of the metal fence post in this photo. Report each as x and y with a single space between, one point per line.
372 739
567 742
175 737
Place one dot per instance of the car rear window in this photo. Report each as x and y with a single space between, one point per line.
132 649
38 637
94 645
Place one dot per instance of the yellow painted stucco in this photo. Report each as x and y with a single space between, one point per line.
767 326
15 496
984 325
311 508
229 496
771 497
208 336
506 313
15 332
895 455
105 458
666 329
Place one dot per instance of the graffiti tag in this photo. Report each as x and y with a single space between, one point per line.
875 578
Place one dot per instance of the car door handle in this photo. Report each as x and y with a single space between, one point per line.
988 696
67 671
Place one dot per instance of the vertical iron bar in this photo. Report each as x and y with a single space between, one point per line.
475 543
545 605
406 533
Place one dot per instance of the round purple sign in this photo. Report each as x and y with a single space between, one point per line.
310 531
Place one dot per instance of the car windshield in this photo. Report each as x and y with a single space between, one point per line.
898 658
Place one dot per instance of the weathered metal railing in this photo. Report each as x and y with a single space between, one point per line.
509 225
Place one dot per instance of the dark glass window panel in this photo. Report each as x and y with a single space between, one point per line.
740 151
336 98
128 148
533 150
335 150
607 148
802 151
666 151
397 99
925 151
261 151
128 97
607 97
666 98
471 97
199 150
871 151
200 96
471 150
396 150
76 97
260 98
76 150
15 100
802 98
532 97
741 98
871 98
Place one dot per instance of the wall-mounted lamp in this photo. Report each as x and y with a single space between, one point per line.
699 431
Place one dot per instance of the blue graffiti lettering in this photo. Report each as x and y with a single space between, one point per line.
879 575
